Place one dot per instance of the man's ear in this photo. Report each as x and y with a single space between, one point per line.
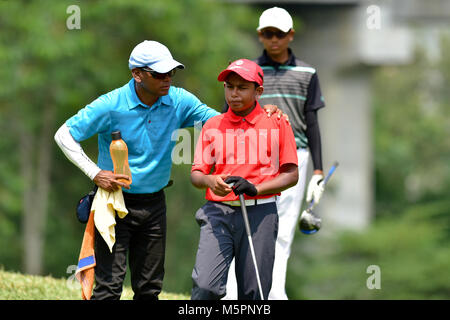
291 35
260 37
136 75
259 91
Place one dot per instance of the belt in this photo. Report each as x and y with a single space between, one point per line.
129 195
141 196
250 202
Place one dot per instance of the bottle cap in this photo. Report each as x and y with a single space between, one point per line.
116 135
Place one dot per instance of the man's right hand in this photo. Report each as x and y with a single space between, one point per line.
109 181
217 185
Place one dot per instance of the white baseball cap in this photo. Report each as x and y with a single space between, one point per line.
275 17
154 55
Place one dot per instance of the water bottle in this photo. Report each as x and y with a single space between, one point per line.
119 155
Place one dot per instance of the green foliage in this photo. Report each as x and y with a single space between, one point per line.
49 69
411 119
49 72
411 249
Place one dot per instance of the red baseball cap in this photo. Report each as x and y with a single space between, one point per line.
247 69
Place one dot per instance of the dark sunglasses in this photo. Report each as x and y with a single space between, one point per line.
158 75
269 34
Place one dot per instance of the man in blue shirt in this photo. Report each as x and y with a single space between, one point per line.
146 110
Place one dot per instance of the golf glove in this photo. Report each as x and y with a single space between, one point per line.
315 188
242 186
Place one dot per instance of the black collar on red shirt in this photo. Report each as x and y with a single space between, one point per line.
265 60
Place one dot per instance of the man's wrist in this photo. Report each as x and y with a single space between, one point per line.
318 172
208 178
93 172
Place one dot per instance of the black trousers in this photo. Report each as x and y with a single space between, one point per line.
222 237
142 235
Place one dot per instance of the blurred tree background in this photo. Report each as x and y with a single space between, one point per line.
49 72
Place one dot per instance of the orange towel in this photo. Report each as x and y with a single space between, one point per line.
86 261
102 217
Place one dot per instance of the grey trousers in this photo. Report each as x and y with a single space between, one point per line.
222 237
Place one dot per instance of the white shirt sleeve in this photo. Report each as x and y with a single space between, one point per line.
74 152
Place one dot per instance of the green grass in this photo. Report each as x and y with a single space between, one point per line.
17 286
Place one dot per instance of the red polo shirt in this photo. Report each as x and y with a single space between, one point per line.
253 147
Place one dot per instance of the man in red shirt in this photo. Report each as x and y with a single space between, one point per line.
258 154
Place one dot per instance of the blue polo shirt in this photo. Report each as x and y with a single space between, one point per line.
147 130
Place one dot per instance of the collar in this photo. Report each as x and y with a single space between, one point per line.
265 60
252 117
134 101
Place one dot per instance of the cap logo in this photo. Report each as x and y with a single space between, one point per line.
239 62
238 67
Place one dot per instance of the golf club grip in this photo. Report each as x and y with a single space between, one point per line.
325 181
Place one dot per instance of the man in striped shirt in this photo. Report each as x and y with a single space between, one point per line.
293 86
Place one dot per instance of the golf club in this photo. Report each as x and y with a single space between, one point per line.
310 223
249 235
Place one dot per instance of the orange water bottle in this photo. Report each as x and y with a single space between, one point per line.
119 155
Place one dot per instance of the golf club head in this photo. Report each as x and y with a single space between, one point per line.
309 222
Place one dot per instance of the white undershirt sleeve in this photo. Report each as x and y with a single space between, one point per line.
74 152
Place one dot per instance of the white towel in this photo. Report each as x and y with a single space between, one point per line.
105 205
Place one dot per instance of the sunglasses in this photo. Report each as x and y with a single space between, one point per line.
158 75
279 34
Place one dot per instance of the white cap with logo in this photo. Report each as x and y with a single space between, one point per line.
277 18
154 55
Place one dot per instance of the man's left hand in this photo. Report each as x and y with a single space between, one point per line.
241 186
315 188
271 109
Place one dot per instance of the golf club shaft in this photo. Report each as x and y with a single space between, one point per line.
249 235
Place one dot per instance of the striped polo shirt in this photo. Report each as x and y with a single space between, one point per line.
294 88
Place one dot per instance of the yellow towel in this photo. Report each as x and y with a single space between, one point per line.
105 206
